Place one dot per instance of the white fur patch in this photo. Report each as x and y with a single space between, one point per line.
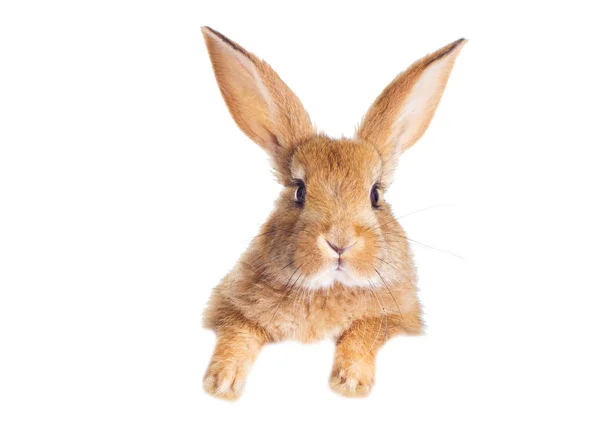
297 171
331 275
417 105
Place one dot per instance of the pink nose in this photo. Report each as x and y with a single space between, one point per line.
339 250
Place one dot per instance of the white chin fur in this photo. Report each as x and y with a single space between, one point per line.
328 277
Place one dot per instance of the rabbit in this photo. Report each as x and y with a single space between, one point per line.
331 261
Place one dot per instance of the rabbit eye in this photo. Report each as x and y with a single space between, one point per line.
375 196
300 195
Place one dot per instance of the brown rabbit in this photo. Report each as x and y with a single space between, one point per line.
331 260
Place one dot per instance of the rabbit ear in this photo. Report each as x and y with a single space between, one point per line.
261 104
401 114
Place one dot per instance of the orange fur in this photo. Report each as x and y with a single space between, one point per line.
338 264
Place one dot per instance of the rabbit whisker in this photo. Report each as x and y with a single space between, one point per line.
389 291
373 292
286 292
420 244
425 209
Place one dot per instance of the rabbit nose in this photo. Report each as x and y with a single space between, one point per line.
338 249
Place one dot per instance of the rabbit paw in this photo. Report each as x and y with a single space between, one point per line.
226 380
354 381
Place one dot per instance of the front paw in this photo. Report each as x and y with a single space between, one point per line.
354 380
226 380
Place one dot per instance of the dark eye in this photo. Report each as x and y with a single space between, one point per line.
300 195
375 196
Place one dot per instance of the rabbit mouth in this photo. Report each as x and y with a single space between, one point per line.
344 259
338 271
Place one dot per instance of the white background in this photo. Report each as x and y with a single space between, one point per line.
127 192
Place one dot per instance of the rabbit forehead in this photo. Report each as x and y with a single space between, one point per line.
345 161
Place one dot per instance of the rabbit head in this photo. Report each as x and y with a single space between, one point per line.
331 222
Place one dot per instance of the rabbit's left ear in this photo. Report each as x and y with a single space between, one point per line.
261 104
401 114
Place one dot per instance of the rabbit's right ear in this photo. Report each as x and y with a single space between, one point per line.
261 104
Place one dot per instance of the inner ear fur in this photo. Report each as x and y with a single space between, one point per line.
402 112
261 104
